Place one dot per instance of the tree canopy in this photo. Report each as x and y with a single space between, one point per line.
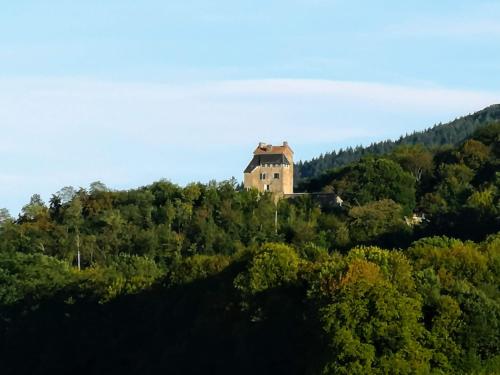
402 278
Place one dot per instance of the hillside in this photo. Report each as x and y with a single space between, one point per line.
451 133
202 280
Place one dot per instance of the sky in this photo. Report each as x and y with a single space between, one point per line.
130 92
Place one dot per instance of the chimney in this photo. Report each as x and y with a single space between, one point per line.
262 145
285 144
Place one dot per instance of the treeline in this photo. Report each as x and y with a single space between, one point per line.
452 133
453 191
208 279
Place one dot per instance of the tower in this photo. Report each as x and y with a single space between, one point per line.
271 169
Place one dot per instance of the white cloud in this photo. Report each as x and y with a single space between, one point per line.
368 93
58 132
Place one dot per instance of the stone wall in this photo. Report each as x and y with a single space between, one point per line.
282 185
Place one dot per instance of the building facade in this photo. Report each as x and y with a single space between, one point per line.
271 169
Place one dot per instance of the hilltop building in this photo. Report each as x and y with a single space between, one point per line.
271 169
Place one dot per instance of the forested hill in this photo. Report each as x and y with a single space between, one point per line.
452 133
214 279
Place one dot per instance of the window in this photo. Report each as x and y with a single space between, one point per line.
276 176
266 187
262 176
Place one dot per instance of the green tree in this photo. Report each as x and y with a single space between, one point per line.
273 265
377 222
4 216
414 159
371 326
474 153
374 179
35 209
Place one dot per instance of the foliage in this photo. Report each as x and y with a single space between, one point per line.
376 221
369 180
401 278
197 267
31 277
452 133
272 266
124 274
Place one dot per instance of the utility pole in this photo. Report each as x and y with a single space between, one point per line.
78 248
276 200
276 219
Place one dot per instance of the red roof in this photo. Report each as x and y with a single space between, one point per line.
263 149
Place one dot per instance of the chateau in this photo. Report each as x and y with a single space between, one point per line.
271 169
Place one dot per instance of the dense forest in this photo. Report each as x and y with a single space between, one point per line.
452 133
401 278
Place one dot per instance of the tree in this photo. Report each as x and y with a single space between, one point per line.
34 209
488 135
474 153
272 266
66 194
371 326
414 159
197 267
72 218
4 216
455 279
372 179
376 221
97 186
454 184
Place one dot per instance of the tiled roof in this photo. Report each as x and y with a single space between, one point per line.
264 148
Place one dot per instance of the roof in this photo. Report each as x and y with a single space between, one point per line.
263 149
273 158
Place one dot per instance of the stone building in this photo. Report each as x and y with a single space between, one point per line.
271 169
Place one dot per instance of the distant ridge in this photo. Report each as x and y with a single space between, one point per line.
450 133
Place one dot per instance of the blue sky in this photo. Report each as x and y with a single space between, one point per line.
129 92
